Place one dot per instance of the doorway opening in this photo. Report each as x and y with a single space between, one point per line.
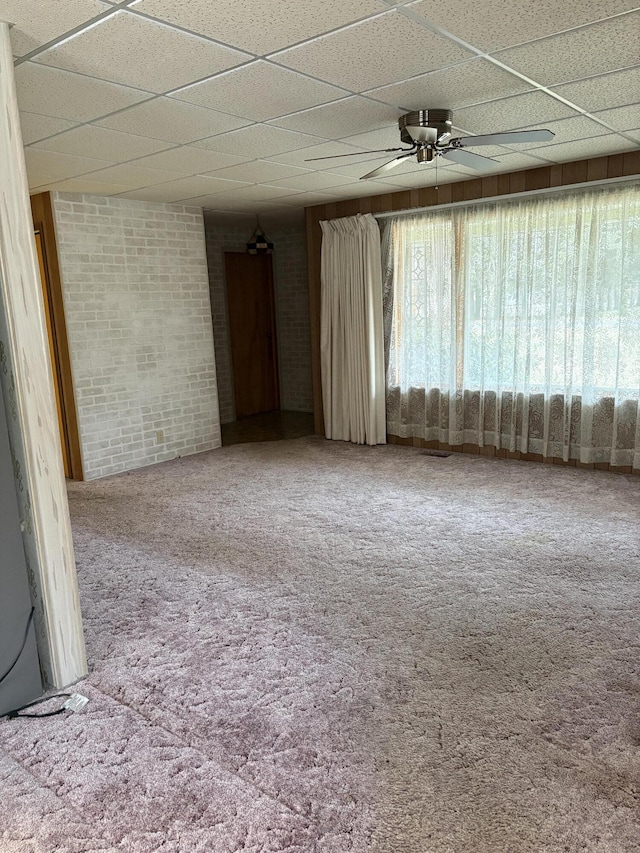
252 333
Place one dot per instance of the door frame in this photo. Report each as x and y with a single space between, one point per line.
44 223
274 326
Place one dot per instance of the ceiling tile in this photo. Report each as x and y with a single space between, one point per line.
306 199
262 27
585 148
209 202
131 175
185 188
494 24
358 189
314 181
374 140
605 46
174 121
51 92
301 157
35 127
220 203
37 180
343 118
37 23
276 214
382 50
260 91
600 93
191 160
535 108
259 140
92 141
85 185
357 167
421 177
60 165
570 129
471 82
134 51
259 192
514 161
622 118
259 171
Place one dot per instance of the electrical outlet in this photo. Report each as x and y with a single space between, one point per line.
159 436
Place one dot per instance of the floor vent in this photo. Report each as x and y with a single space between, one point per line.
442 454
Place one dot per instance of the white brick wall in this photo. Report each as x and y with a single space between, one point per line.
136 295
292 310
294 326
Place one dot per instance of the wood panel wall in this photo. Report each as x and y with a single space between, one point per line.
545 177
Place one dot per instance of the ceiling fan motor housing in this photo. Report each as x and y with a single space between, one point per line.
439 120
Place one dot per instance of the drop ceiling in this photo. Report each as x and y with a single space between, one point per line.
224 104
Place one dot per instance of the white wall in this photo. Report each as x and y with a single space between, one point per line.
25 374
136 297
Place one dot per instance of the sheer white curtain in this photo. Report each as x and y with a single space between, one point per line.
351 332
517 324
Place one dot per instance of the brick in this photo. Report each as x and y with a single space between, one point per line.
139 357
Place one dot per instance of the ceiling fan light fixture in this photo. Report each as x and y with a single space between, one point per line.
428 135
425 125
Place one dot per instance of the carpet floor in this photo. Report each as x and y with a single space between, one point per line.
314 647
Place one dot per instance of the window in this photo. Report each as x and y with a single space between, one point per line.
539 295
517 324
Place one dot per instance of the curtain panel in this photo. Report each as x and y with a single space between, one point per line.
351 330
517 325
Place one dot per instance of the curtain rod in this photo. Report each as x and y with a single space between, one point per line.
414 210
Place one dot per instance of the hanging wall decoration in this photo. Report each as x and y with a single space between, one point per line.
259 243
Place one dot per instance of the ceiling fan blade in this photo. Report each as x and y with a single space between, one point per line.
360 153
473 161
505 138
422 133
386 167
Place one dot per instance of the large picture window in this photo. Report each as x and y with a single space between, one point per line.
517 324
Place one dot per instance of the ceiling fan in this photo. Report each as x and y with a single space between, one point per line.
428 132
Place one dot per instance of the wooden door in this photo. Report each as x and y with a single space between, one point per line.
55 367
252 330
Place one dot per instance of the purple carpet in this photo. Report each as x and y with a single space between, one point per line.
312 646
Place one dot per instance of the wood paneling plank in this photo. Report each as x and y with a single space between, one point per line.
574 173
489 186
615 166
631 163
537 179
597 169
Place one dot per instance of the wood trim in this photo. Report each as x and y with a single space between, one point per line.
51 339
502 453
43 220
562 174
